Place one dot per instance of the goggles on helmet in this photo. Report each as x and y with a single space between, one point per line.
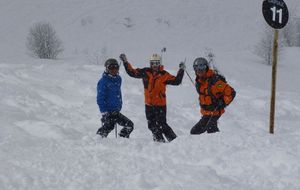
200 67
113 67
154 63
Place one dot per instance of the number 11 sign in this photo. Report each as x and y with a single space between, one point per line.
277 15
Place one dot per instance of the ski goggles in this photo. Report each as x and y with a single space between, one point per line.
200 67
113 67
154 63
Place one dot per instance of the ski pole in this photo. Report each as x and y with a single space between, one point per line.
211 117
116 130
188 73
163 50
190 78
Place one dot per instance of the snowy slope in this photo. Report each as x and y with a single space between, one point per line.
137 27
48 113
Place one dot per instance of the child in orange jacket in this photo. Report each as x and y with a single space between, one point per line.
214 95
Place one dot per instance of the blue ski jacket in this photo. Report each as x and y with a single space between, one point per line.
109 96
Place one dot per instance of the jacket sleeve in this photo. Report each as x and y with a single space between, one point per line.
197 85
172 80
135 73
101 95
225 91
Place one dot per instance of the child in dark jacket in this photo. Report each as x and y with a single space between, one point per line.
109 100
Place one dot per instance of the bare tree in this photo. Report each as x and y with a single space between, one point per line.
289 36
97 57
43 42
297 32
291 31
264 47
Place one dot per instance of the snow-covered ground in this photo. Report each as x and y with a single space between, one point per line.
49 116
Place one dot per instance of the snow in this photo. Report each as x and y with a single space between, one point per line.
49 115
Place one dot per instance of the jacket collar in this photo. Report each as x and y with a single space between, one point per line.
208 74
161 69
106 74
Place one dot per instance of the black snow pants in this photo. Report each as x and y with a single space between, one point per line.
207 124
157 123
108 124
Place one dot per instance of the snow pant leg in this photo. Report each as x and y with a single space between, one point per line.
108 124
162 122
212 125
206 123
201 126
127 125
151 114
168 132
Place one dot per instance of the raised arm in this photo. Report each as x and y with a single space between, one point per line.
172 80
136 73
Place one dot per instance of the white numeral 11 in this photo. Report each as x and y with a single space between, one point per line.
274 14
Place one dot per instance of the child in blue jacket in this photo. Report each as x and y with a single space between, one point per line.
109 100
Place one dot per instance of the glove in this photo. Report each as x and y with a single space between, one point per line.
114 113
221 103
123 58
109 115
104 116
182 66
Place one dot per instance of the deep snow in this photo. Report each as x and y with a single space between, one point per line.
49 116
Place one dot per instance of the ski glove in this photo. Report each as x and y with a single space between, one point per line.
221 103
110 115
182 66
123 57
114 113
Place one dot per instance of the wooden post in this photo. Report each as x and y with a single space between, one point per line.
274 73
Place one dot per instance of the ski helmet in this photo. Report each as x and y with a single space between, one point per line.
200 64
111 64
155 59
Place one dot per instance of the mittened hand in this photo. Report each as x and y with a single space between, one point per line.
107 115
182 66
114 113
123 57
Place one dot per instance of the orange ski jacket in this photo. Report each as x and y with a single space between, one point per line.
154 83
213 88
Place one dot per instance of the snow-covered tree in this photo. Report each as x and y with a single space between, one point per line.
43 42
297 32
291 32
265 46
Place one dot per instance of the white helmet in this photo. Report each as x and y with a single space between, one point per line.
155 59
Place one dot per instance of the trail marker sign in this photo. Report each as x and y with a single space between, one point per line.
275 13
